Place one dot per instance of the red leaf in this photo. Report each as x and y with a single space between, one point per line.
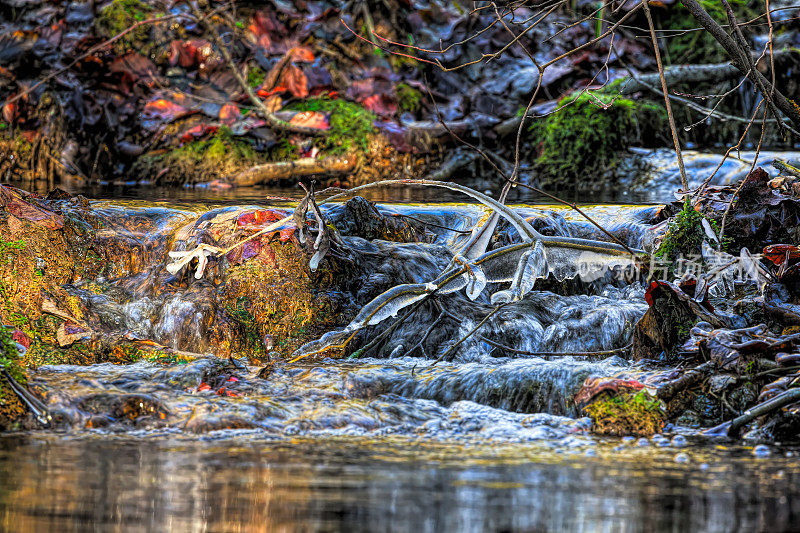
777 253
13 202
260 217
138 67
197 131
20 337
380 104
203 387
189 54
10 112
265 94
286 234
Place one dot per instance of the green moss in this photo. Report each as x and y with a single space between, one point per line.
685 234
586 134
120 15
351 124
628 414
223 147
408 98
255 76
9 357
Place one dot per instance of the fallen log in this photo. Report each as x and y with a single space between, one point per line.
306 166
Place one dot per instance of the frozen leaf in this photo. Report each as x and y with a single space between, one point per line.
182 259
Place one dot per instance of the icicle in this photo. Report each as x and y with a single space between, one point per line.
476 281
532 265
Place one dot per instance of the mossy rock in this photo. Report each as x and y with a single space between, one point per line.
219 156
408 98
584 137
636 414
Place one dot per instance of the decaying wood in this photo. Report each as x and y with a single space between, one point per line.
690 378
305 166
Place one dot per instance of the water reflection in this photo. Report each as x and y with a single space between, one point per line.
239 484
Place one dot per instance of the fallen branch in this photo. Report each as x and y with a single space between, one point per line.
691 377
733 427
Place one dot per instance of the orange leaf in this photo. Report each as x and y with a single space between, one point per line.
229 113
311 119
295 81
302 54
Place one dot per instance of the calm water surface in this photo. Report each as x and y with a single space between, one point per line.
242 482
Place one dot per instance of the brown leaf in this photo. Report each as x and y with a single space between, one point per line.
13 202
295 81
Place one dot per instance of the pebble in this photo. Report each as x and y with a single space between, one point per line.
643 442
681 458
762 450
679 441
628 438
591 453
704 466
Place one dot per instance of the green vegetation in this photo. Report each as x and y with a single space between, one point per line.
584 136
685 234
255 76
629 414
120 15
408 98
9 357
351 124
223 146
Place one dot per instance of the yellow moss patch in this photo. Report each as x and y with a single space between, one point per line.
629 414
272 303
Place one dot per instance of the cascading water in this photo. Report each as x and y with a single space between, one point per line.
499 383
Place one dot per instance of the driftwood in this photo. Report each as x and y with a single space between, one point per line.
305 166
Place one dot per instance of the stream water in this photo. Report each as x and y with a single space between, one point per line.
490 440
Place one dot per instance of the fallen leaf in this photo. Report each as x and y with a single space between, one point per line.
311 119
164 110
229 113
295 81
